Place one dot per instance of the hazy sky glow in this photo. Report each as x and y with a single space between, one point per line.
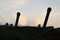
32 11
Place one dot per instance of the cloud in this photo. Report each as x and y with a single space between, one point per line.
9 7
13 3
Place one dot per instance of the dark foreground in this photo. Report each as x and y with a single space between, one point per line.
29 33
9 32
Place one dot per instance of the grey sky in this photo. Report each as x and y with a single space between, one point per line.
31 10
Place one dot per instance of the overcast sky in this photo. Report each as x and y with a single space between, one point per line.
32 11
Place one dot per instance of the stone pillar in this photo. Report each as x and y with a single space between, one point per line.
17 18
47 16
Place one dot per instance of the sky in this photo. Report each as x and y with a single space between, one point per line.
33 12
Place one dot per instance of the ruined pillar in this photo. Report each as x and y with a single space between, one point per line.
47 16
17 18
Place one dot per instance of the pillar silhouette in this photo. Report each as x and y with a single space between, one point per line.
6 25
47 16
11 25
17 18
